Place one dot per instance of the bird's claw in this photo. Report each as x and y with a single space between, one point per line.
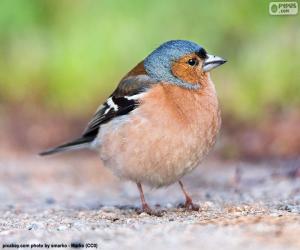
146 209
189 206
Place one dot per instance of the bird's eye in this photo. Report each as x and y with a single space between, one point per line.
192 62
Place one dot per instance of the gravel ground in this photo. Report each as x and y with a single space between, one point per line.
73 199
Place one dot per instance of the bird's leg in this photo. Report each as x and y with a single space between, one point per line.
145 206
189 205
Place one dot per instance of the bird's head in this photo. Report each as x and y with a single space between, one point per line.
181 62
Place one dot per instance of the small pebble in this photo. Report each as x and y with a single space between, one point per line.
50 201
169 205
108 209
33 227
143 214
62 228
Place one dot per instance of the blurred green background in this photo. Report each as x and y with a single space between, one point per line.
69 55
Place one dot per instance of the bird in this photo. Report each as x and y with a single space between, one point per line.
160 122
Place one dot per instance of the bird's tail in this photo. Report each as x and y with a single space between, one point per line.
79 143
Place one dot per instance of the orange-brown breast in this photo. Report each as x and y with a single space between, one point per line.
165 137
186 106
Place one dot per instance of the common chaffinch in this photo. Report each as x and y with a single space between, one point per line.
160 122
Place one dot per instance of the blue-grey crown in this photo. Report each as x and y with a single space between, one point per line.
158 64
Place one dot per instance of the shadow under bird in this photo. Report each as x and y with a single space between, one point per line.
160 122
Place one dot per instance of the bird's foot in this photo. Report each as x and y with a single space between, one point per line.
146 209
190 206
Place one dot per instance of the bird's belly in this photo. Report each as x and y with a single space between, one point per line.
153 152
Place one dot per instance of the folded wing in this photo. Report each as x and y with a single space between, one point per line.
123 100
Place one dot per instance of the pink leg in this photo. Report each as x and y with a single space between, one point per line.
145 206
189 205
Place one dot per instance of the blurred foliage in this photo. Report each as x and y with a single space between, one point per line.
70 54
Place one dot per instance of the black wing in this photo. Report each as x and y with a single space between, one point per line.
113 107
123 100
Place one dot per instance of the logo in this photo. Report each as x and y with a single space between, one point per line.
283 8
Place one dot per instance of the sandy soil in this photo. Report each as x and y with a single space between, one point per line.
73 199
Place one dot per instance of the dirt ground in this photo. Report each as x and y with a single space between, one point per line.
73 199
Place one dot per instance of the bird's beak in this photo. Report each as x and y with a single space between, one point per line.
212 62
